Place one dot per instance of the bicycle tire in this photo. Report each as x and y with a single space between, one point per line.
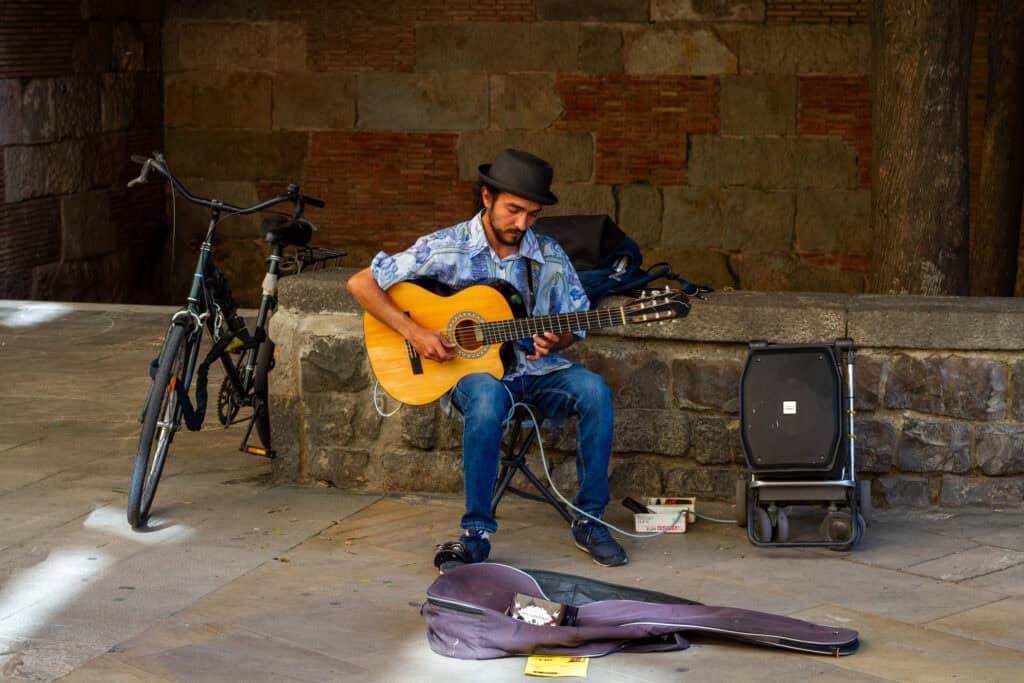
163 401
261 404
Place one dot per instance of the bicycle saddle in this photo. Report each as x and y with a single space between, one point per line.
287 231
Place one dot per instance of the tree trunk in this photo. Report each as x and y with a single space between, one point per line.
996 237
921 53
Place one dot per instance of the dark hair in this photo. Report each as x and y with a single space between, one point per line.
478 196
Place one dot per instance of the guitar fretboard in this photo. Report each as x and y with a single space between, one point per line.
524 328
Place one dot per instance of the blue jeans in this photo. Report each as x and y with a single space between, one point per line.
572 392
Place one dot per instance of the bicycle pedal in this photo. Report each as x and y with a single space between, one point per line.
262 452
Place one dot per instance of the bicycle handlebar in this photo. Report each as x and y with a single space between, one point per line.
157 162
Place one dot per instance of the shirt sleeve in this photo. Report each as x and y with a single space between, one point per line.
405 265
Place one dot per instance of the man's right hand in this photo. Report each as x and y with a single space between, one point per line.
432 345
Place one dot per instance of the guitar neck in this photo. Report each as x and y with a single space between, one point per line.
524 328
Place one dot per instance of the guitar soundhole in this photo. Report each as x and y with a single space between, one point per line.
467 336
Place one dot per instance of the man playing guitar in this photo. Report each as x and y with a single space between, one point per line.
498 243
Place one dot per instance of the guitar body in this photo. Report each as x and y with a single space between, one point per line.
408 377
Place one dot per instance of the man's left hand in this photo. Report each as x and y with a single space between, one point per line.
550 342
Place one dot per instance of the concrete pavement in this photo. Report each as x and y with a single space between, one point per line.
242 580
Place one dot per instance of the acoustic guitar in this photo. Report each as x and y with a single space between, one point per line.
481 320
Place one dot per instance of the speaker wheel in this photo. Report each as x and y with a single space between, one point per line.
866 508
781 526
764 525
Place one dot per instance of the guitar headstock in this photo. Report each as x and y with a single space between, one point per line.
657 306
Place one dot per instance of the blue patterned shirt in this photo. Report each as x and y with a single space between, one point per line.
460 256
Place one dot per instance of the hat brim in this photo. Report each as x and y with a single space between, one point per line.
546 199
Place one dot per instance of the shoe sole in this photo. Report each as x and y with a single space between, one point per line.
594 559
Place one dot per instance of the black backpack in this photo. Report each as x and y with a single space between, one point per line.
607 260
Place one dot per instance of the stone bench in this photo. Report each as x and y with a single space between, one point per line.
939 395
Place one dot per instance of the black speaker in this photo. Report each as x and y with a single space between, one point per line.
790 399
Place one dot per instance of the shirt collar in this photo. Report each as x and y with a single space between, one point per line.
529 247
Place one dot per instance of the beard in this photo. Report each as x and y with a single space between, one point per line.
510 237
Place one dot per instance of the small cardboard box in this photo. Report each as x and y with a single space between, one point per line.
663 512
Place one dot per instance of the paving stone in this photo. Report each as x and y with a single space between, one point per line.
997 623
1006 582
898 546
969 563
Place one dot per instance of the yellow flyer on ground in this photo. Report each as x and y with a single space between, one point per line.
553 667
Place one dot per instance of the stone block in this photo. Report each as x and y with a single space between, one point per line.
929 446
65 167
86 226
92 51
693 217
1018 390
76 106
593 10
601 50
524 100
419 101
830 221
711 441
962 491
690 51
340 467
314 100
704 266
328 420
471 47
703 384
273 46
867 381
801 49
755 220
25 172
285 422
419 426
999 449
701 10
716 482
823 162
334 364
934 322
903 492
220 99
128 47
579 198
148 108
405 470
639 213
635 478
143 10
194 220
875 446
759 105
117 101
571 154
779 271
662 432
752 161
38 115
955 386
637 380
237 154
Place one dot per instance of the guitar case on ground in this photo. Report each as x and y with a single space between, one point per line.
467 612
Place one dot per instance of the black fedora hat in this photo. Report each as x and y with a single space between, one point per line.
520 173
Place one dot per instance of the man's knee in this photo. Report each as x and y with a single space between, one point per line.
593 390
481 397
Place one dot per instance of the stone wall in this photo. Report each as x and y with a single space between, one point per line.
939 397
81 89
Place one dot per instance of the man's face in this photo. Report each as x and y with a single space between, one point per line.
508 217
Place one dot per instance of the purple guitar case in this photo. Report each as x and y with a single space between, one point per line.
467 618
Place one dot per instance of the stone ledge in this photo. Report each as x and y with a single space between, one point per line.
907 322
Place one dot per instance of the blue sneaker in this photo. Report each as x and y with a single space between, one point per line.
471 547
594 538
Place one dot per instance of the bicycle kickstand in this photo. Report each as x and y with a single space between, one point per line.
254 450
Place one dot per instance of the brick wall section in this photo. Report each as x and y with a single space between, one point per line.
640 124
816 11
839 106
385 189
362 36
37 38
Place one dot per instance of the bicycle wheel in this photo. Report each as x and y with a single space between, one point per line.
264 364
159 423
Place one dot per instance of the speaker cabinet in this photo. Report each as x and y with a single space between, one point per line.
790 399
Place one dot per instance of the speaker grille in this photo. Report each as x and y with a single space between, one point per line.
790 408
